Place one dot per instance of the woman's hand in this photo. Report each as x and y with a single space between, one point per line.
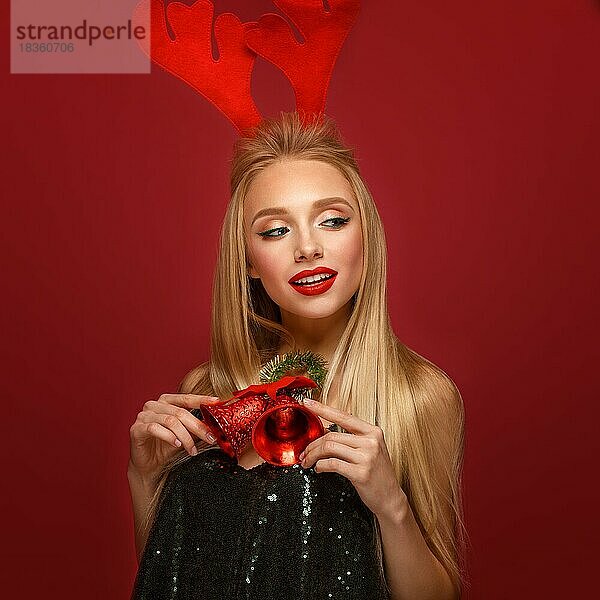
361 456
162 427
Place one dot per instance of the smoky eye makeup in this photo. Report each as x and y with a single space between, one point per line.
337 221
271 232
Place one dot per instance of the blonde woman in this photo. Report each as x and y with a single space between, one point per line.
373 510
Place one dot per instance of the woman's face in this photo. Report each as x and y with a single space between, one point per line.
301 216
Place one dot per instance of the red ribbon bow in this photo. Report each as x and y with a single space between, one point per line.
271 388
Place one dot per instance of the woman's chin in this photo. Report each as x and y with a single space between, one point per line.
313 310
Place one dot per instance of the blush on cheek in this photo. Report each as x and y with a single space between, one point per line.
266 265
354 253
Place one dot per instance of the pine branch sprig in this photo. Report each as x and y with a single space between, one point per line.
296 363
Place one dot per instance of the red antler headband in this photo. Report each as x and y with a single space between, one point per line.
226 82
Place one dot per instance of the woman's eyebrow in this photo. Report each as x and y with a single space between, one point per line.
280 210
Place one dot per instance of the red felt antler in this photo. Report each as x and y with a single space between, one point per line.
226 81
307 65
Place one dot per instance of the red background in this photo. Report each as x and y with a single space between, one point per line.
476 126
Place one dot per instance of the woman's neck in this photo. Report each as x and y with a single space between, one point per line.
320 336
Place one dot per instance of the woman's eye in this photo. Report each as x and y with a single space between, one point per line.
269 232
338 221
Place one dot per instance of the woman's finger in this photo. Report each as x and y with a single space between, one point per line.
349 439
331 449
193 424
188 400
339 417
171 422
354 441
156 430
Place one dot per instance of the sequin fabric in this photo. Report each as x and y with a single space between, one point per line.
266 533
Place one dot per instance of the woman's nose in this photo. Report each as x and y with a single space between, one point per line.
308 249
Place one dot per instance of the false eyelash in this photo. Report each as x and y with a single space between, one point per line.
265 234
342 219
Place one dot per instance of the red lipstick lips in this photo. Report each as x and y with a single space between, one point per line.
313 288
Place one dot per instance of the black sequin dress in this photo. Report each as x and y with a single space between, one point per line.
223 532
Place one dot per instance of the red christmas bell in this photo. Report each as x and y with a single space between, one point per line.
278 425
232 423
284 430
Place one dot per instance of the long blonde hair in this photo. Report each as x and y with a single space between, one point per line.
382 381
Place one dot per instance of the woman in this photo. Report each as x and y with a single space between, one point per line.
298 204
